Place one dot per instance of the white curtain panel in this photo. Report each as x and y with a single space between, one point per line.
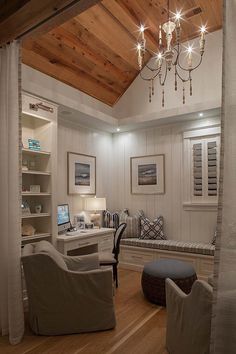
223 338
11 305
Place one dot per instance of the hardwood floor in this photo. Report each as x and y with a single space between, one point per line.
140 329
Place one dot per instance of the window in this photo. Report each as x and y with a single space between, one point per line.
201 165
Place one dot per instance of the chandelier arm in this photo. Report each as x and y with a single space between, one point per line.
177 55
192 69
145 78
152 69
182 79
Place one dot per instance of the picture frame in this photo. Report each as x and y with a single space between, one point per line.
147 174
81 174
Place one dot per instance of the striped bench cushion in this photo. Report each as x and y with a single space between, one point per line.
171 245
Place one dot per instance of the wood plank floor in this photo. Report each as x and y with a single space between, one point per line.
140 329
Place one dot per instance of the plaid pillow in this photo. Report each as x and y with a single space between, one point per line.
152 230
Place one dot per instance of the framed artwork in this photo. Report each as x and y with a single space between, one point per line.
81 173
147 174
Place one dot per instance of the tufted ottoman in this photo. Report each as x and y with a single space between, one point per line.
155 273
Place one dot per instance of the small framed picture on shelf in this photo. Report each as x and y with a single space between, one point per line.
34 144
35 188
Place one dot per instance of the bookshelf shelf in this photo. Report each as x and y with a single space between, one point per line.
39 124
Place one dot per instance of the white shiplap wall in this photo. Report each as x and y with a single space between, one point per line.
179 224
113 174
86 141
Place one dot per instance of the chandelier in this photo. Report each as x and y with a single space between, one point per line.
169 56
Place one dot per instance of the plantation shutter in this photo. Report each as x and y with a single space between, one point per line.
212 168
197 169
204 174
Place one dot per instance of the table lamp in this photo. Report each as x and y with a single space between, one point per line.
94 205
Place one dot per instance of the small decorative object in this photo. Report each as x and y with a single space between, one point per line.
25 165
34 144
25 209
32 165
38 208
79 221
81 225
35 188
147 174
81 173
28 230
89 225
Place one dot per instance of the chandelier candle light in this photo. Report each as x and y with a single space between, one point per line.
169 56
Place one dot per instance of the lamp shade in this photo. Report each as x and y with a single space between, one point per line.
94 204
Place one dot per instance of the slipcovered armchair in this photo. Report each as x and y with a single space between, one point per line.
188 318
66 294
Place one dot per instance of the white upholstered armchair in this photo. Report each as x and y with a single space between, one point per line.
188 318
66 294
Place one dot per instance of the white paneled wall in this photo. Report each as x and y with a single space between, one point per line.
85 141
113 174
179 224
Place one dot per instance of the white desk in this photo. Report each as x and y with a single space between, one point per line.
96 240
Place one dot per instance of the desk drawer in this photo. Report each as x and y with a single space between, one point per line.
78 244
105 243
135 257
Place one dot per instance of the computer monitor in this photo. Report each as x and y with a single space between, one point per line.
63 217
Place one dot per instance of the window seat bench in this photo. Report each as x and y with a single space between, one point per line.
135 252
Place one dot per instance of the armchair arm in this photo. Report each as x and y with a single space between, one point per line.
188 318
82 263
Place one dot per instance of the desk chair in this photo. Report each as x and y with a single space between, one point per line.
107 258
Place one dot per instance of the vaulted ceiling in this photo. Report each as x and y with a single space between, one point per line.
94 52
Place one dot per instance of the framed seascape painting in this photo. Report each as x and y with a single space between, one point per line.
147 174
81 173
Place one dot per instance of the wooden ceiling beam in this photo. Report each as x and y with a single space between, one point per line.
7 8
77 79
38 16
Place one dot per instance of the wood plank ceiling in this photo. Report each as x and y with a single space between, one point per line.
94 52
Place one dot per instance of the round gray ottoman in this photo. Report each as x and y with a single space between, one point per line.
155 273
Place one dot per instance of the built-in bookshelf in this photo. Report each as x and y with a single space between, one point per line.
39 123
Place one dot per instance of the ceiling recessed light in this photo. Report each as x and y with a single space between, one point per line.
117 129
201 114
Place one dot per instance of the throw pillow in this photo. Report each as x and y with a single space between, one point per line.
133 225
152 230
